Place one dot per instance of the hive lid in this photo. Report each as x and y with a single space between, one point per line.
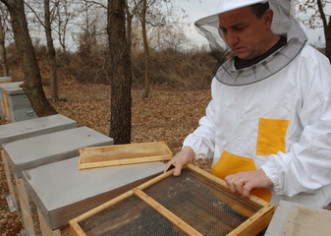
5 79
34 127
12 88
123 154
47 148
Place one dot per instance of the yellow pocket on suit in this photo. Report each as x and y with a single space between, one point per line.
271 136
229 164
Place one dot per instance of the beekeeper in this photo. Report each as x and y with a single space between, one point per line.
268 125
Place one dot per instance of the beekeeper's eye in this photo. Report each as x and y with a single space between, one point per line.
222 30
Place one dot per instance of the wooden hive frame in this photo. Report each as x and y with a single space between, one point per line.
255 223
91 157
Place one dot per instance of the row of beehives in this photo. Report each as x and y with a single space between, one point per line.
15 105
40 157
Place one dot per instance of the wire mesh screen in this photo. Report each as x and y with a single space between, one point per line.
194 198
131 216
201 204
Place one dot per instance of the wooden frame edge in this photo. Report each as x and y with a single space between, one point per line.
126 161
254 199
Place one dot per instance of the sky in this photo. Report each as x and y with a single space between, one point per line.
196 9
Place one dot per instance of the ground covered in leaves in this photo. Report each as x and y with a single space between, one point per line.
167 115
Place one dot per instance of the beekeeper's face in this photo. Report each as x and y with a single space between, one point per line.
246 35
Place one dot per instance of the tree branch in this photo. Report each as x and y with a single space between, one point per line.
35 13
320 8
96 3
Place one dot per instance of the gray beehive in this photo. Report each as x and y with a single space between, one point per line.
25 129
47 148
33 127
39 150
3 80
62 192
17 106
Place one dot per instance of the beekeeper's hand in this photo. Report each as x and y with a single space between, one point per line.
243 182
181 159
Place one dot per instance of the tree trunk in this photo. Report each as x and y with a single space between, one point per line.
51 51
327 30
120 74
3 55
128 26
146 49
32 79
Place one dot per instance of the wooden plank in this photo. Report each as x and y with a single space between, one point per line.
28 209
156 179
76 229
10 179
92 157
166 213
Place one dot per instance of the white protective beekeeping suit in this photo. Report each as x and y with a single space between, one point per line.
274 115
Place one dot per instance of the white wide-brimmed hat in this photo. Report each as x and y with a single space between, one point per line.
228 5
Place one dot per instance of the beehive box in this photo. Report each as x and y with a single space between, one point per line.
43 149
15 103
25 129
196 203
3 80
61 191
101 156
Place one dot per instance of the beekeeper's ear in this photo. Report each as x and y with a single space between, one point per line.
267 17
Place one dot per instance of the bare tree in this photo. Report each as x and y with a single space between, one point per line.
3 30
146 11
131 9
317 11
51 51
327 28
120 73
146 48
47 25
63 15
32 79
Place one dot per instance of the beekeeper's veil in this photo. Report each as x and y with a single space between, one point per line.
283 24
